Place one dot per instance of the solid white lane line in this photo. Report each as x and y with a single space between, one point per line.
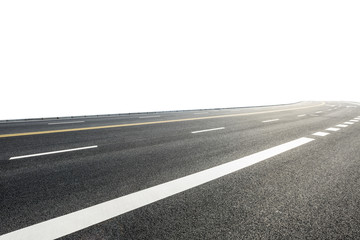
318 112
302 115
200 113
208 130
72 222
354 120
54 152
333 129
150 116
271 120
321 134
348 123
54 123
341 125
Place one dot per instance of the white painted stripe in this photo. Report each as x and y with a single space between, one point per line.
333 129
200 113
54 152
341 125
302 115
354 120
357 118
208 130
318 112
72 222
54 123
271 120
150 116
321 134
348 123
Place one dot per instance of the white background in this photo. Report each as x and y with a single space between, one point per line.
61 58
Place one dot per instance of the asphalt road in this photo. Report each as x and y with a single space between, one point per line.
246 173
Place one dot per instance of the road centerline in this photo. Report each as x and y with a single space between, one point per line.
271 120
53 152
321 134
333 129
208 130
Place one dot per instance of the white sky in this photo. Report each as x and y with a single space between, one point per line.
69 57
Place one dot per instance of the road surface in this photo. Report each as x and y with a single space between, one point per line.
278 172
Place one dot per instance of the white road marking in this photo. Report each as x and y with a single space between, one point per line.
150 116
354 120
321 134
201 113
75 221
302 115
333 129
208 130
54 123
341 125
318 112
348 123
357 118
54 152
271 120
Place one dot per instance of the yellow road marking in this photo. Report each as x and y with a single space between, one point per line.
150 123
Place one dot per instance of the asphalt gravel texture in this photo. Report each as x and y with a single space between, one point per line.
310 192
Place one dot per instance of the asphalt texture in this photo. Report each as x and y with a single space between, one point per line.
310 192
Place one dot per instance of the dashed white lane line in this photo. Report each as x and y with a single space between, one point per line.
72 222
208 130
342 125
318 112
200 113
55 123
354 120
348 123
271 120
321 134
54 152
155 116
302 115
333 129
